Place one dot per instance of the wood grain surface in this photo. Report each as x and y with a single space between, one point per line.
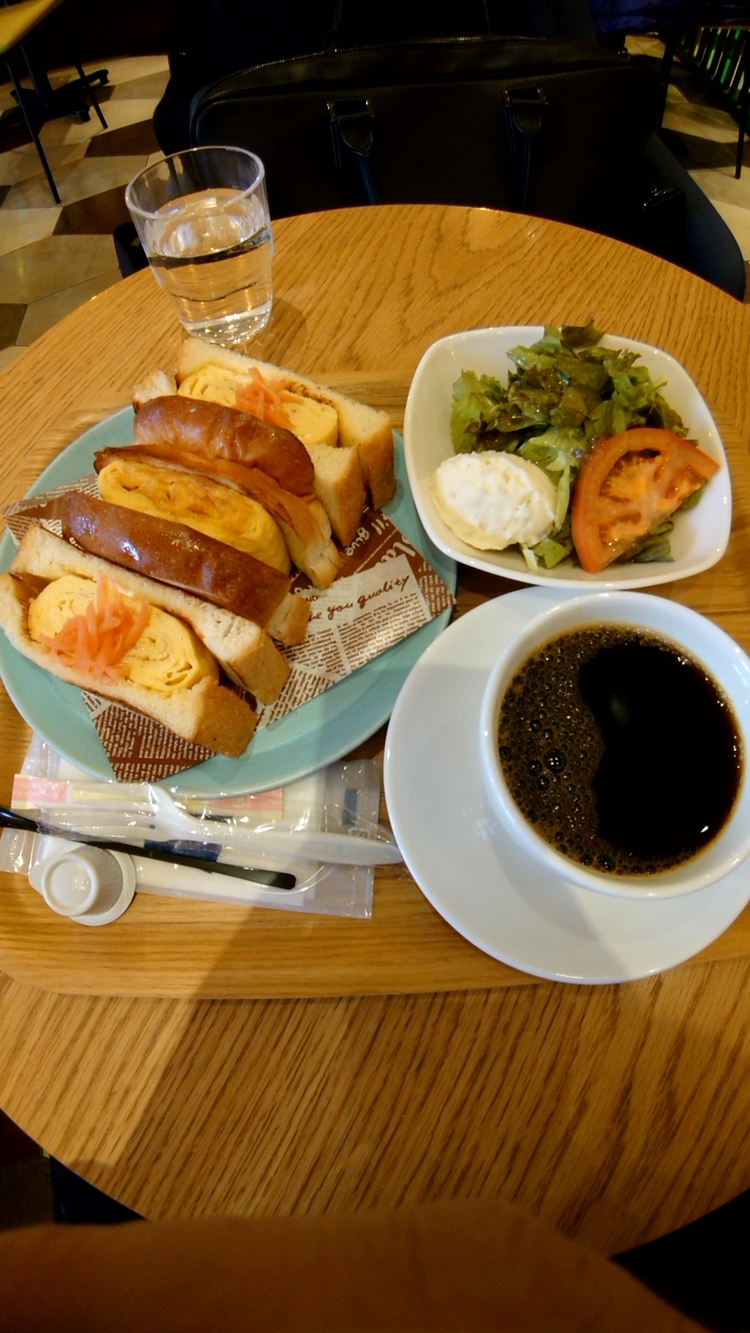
614 1112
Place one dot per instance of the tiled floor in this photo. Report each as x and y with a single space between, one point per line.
54 257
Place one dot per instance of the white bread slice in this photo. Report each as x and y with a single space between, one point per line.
246 652
305 527
340 487
310 546
158 384
206 713
361 427
289 622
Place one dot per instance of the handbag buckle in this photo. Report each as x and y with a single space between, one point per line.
524 112
352 128
524 108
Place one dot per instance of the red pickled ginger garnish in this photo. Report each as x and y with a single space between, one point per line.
265 400
96 642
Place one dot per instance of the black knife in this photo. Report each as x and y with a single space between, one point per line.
273 879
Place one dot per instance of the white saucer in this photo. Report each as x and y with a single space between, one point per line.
474 875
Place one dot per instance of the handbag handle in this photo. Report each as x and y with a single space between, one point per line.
352 133
524 112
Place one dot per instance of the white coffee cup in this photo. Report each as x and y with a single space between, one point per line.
704 643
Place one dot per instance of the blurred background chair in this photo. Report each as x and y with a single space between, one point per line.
721 58
712 37
41 102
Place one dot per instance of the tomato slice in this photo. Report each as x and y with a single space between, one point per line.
628 484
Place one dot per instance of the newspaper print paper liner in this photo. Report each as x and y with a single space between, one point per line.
386 591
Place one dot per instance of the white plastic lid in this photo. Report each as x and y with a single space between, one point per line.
71 884
90 884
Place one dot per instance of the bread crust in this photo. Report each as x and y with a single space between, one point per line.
225 433
206 713
340 487
378 461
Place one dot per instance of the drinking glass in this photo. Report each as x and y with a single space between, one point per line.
204 224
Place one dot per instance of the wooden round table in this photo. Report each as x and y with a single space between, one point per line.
615 1112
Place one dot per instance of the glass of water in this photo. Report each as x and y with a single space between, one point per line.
204 224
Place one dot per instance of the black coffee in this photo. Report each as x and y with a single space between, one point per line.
621 751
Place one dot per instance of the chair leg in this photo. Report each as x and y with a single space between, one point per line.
744 106
73 98
21 94
665 70
86 83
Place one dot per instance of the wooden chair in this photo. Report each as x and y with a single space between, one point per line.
720 56
711 37
42 102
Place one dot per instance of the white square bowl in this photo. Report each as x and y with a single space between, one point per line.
700 535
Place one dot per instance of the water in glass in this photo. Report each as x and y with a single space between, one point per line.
212 252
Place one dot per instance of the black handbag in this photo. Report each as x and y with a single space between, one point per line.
553 128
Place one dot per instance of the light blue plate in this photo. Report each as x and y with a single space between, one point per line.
316 734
